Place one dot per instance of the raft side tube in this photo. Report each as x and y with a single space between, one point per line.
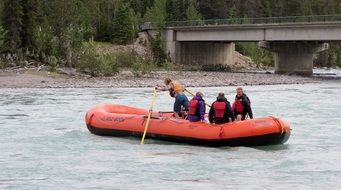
261 140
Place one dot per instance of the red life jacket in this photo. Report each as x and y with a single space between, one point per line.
193 105
219 109
238 106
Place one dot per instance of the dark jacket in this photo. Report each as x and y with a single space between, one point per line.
247 107
227 114
200 111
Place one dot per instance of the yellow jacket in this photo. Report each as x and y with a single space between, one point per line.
176 87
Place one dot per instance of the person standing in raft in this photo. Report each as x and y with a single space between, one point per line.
197 108
241 105
176 90
221 110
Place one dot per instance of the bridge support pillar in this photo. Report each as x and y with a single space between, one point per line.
205 53
294 57
170 44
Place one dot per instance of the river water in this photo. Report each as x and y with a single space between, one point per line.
44 143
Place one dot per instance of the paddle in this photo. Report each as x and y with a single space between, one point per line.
149 115
194 95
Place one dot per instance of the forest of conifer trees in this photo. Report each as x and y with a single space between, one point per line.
54 31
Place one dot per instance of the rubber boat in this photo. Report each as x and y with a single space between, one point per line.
124 121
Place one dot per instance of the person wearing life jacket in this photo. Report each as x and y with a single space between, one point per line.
176 90
221 111
197 108
241 105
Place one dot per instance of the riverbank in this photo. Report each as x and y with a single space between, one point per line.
31 78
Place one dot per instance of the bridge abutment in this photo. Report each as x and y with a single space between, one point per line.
198 53
205 53
294 57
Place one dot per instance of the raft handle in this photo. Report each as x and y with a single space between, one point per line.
90 119
279 123
152 117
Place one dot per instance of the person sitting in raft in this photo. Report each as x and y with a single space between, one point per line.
197 108
176 90
221 111
241 105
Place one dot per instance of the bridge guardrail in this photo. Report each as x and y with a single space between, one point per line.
241 21
261 20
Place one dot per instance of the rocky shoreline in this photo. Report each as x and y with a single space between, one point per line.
31 78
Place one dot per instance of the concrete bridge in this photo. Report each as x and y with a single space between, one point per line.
294 40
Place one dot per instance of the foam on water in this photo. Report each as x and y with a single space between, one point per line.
44 143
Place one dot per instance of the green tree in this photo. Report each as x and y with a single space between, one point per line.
2 38
68 26
330 57
46 43
157 13
176 10
31 16
305 7
157 49
1 10
232 12
172 10
12 22
124 25
260 56
213 9
192 13
140 7
105 11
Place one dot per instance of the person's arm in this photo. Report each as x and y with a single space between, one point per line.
248 107
229 111
165 87
162 88
210 114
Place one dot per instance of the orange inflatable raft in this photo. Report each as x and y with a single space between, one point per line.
123 121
